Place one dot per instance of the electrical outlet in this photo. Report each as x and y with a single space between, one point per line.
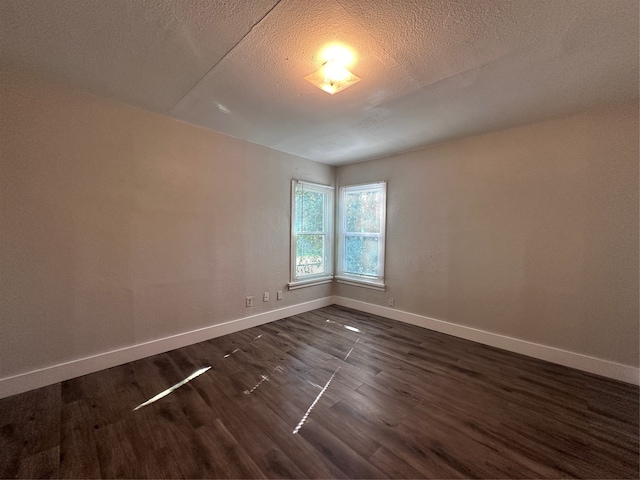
249 301
265 297
279 295
390 302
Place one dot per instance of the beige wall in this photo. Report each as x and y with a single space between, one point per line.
530 232
119 226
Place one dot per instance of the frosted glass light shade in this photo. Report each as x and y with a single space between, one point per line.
332 77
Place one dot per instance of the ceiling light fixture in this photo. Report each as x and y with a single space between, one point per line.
333 75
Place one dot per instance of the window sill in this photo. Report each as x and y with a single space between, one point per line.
309 283
361 283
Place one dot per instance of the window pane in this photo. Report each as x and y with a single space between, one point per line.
363 212
309 254
361 255
309 213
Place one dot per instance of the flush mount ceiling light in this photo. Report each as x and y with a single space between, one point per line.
333 75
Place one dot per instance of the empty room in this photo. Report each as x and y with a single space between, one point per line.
319 239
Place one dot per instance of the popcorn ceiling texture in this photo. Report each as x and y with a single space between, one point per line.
431 71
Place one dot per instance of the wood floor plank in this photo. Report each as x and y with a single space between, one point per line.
339 453
163 439
327 446
307 397
251 431
354 434
9 452
29 429
78 450
277 423
115 452
163 427
226 455
394 466
43 464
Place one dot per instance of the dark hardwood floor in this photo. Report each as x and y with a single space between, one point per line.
332 393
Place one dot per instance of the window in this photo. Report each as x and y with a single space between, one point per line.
311 234
362 234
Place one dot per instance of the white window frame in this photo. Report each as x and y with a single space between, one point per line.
375 282
299 281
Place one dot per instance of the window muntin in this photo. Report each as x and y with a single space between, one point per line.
361 241
311 233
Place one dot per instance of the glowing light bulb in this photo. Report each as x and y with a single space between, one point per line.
333 75
339 54
334 72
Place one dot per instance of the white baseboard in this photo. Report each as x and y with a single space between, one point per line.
83 366
617 371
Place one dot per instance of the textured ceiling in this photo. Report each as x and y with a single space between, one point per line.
431 70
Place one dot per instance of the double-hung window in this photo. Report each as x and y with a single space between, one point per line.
361 234
311 234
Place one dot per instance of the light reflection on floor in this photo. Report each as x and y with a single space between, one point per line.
265 378
239 348
171 389
354 346
306 415
348 327
308 412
